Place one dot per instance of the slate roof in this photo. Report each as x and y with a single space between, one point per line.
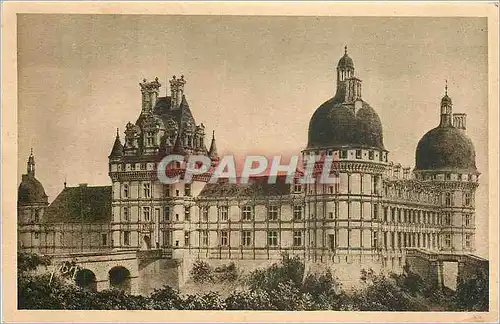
256 187
31 191
93 204
445 148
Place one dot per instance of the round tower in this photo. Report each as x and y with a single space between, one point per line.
445 157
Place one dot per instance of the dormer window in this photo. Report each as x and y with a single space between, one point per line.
150 138
358 154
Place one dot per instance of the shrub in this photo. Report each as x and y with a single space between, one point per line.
227 273
289 270
201 272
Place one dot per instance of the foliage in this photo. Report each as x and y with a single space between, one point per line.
282 286
201 272
385 293
226 273
291 269
27 261
473 294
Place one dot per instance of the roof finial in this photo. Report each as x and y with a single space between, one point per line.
213 133
65 182
117 132
31 151
345 49
446 87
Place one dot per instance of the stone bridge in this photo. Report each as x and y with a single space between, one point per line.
135 272
432 267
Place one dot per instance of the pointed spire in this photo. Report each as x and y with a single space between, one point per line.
117 150
31 164
212 152
446 108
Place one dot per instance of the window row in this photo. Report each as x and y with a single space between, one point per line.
224 238
146 191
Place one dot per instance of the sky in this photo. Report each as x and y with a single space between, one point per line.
255 80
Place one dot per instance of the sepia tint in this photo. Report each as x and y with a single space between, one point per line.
395 107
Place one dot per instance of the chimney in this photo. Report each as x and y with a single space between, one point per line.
177 91
352 89
459 121
150 92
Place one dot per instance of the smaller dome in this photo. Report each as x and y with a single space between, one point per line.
446 149
345 61
31 191
446 101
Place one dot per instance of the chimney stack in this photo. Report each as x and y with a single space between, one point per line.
459 121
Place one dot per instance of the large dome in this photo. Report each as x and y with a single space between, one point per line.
31 191
445 148
336 124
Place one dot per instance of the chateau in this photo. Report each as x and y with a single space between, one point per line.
375 213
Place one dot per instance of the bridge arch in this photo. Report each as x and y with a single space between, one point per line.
119 278
86 279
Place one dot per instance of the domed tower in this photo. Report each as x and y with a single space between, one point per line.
31 204
347 130
445 156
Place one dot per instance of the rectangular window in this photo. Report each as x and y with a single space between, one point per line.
358 154
166 190
272 238
370 155
298 238
467 219
331 242
187 189
104 239
187 238
223 212
447 240
204 238
37 235
467 240
36 217
125 214
297 212
126 238
167 238
166 214
246 238
297 188
448 199
150 139
145 213
343 154
272 213
330 215
146 190
247 213
132 167
375 239
204 214
468 199
224 238
187 213
447 219
385 240
125 191
143 166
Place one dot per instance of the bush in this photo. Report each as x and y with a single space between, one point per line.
226 273
201 272
289 270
